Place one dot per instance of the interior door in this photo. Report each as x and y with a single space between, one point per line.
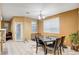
19 31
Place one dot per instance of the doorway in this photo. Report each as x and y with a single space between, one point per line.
19 31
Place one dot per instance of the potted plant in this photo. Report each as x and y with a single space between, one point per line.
74 37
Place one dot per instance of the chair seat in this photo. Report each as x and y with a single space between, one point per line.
50 45
39 45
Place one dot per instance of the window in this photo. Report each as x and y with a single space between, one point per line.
6 26
34 26
52 25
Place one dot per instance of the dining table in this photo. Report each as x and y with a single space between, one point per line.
46 40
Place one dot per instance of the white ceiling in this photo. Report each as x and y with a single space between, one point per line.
32 10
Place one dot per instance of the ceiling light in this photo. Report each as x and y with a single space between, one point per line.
41 16
0 17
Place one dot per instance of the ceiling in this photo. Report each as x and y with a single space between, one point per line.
32 10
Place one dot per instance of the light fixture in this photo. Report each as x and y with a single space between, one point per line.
41 16
0 17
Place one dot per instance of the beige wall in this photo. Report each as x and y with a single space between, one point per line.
0 38
0 24
40 26
0 16
69 23
26 26
78 19
0 33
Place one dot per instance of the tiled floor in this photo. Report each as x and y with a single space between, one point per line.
29 48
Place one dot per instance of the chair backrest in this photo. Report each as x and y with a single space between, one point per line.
38 40
62 40
58 42
33 36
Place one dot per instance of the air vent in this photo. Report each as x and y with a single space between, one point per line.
27 12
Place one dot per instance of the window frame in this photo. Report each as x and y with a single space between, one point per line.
35 26
51 20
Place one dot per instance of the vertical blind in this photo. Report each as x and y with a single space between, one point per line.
34 26
52 25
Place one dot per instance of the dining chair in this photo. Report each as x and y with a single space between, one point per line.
49 47
62 44
54 46
39 43
59 45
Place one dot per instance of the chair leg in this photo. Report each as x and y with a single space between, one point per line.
45 50
60 51
55 49
63 49
36 48
54 52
